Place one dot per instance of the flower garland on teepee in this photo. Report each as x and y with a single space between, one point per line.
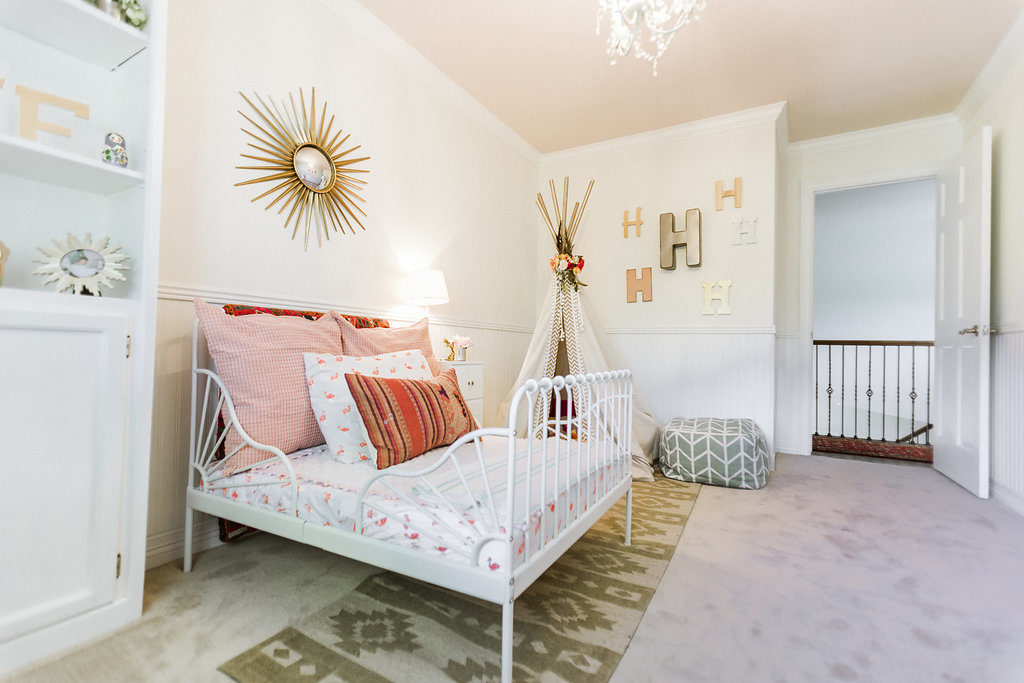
566 266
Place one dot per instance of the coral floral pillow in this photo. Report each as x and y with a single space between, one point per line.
377 340
332 403
259 359
405 418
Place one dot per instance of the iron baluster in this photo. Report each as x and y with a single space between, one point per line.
829 390
817 369
913 391
928 403
897 393
842 395
883 393
869 392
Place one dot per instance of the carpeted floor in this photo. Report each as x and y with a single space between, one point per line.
573 623
839 570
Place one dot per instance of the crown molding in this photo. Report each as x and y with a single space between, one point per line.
180 292
381 35
694 329
716 124
1008 51
944 123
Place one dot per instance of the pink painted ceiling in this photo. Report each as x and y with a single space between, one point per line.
539 66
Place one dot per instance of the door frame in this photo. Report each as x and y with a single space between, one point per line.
808 190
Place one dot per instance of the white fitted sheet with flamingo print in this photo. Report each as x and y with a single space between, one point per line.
435 518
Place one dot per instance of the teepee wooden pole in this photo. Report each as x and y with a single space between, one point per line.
544 213
554 198
565 202
583 208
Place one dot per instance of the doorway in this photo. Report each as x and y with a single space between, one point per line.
873 319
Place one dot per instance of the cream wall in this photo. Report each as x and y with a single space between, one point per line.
997 99
449 188
685 363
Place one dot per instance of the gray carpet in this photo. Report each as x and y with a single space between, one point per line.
837 570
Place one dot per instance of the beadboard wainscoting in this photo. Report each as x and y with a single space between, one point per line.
793 373
500 347
1007 438
700 372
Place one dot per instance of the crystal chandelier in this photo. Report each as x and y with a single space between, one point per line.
644 27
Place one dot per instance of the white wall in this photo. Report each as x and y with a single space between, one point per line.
449 188
685 363
904 151
997 99
874 262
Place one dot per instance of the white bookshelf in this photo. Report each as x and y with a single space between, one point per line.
74 27
104 346
36 161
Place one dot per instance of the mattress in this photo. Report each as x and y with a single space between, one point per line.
446 513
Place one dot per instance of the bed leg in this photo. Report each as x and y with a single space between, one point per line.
506 643
629 514
188 539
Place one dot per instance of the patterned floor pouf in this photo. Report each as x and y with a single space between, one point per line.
723 452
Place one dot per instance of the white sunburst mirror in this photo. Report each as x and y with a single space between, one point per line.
80 264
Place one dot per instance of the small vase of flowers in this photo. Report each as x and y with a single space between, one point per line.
457 346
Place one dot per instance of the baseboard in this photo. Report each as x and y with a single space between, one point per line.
1008 497
169 546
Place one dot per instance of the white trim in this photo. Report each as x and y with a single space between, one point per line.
381 35
693 329
944 123
179 292
168 546
1008 51
1007 497
716 124
808 190
1007 327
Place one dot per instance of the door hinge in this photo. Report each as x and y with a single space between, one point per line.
128 347
118 573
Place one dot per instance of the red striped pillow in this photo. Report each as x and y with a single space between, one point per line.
408 417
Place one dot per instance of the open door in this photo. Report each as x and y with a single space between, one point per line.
962 323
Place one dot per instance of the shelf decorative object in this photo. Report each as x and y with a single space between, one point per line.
114 150
82 264
5 254
457 346
314 174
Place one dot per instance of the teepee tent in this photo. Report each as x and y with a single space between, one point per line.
567 340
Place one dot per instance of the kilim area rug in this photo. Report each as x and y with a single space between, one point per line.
572 624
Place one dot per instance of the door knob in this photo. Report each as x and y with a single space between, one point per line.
970 330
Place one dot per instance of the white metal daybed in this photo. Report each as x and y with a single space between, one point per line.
485 516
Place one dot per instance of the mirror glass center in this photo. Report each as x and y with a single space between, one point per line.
314 168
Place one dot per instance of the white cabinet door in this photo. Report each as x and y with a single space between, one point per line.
62 431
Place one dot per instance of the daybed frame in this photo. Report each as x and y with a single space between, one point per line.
600 426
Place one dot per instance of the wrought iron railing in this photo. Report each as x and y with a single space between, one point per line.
878 390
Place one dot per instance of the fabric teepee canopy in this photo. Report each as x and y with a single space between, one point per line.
567 340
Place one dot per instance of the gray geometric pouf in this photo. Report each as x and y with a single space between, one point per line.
707 450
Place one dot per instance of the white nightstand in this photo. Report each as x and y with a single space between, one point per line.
471 384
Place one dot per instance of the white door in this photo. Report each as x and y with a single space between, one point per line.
62 426
962 317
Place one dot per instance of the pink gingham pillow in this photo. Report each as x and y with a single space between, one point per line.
377 340
259 359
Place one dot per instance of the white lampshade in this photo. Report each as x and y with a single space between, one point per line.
427 288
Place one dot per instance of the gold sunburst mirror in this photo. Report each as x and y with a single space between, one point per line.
315 174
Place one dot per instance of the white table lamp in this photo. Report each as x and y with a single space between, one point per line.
427 288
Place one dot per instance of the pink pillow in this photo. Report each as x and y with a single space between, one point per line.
377 340
259 359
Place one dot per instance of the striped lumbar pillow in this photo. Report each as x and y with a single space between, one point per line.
406 417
